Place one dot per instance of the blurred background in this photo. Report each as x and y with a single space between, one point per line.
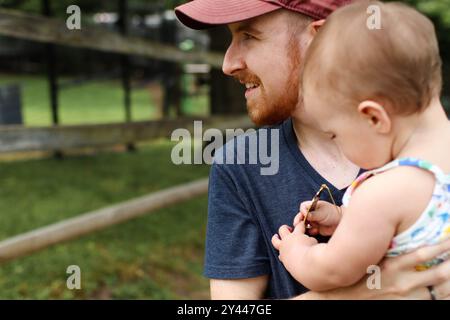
85 123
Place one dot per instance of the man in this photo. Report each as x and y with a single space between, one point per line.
269 39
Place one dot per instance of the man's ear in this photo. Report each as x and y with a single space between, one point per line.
376 116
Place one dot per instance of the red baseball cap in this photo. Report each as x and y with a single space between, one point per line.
202 14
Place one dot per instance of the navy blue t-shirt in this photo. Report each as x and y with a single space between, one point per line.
246 208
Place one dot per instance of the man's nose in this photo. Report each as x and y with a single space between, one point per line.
233 61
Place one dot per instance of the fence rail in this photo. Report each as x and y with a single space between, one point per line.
76 227
19 138
33 27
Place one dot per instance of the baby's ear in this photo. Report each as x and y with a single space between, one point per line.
313 28
376 116
316 25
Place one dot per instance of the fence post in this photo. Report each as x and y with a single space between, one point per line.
125 66
52 75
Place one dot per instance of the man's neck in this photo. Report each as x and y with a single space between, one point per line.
311 139
324 155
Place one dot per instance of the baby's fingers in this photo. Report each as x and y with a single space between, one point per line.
276 241
299 217
304 206
284 230
313 215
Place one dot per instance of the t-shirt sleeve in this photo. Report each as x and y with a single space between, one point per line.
235 247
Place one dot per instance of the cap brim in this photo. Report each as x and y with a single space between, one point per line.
203 14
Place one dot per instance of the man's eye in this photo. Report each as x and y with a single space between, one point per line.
248 36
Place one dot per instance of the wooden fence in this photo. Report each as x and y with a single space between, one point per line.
19 138
56 138
50 30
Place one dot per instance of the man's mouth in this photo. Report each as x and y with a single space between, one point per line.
251 88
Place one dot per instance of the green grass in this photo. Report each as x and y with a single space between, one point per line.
158 256
91 102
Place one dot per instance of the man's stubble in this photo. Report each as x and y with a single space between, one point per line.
274 109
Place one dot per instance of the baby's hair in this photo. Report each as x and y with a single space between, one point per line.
398 64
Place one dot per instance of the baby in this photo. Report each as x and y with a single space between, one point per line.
376 93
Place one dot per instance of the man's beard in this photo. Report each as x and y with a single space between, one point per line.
271 110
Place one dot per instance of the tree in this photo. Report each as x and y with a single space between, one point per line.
439 12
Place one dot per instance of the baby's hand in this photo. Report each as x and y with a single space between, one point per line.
324 219
292 243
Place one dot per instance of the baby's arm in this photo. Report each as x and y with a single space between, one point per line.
362 237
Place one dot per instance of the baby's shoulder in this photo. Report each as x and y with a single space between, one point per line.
401 190
400 180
